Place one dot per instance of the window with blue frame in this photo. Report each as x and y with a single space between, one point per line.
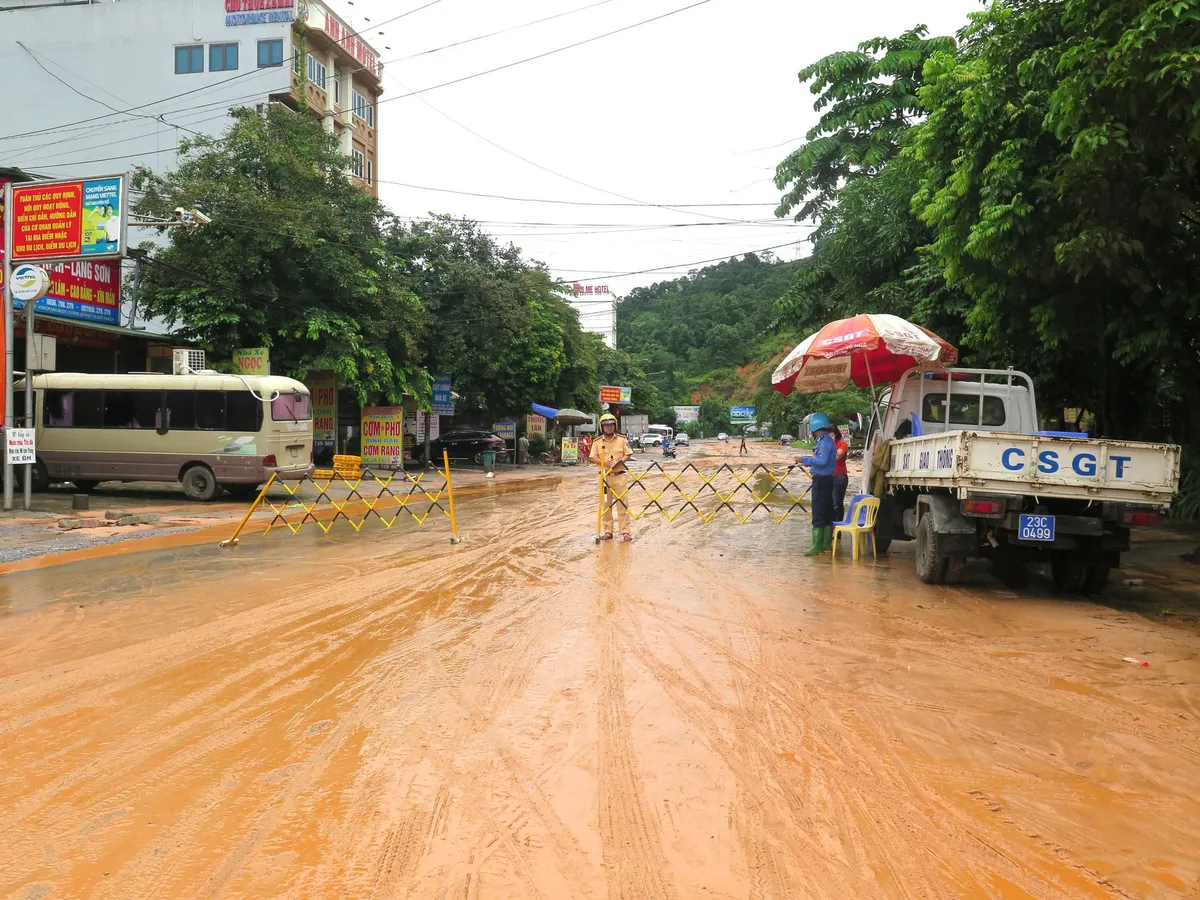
189 60
270 53
222 57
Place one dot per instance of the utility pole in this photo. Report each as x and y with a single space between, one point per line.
8 344
31 363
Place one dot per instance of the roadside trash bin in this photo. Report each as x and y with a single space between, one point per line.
489 463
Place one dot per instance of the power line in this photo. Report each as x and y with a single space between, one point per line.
678 265
543 55
212 86
492 34
421 187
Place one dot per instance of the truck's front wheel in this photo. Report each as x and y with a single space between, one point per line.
885 525
931 568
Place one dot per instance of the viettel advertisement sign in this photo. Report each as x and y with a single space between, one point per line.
613 394
69 219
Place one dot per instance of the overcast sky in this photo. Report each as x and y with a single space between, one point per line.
695 108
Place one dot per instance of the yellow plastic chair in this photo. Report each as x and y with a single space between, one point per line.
861 528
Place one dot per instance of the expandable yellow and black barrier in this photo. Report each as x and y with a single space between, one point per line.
363 494
743 492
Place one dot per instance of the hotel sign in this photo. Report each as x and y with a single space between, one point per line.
259 12
321 17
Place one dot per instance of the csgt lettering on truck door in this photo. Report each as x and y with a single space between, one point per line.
1049 462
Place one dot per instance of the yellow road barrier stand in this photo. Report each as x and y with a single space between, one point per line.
725 486
454 539
356 508
600 505
246 518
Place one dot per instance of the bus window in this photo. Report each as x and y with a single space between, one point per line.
210 410
245 411
291 408
181 411
131 409
74 409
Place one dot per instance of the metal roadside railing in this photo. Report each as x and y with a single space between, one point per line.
356 495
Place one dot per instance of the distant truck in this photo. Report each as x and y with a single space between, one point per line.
970 475
633 426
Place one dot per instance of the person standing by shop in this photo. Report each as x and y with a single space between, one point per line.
841 477
523 449
611 451
822 464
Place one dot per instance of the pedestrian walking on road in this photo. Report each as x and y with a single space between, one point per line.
841 477
822 464
523 449
742 451
611 451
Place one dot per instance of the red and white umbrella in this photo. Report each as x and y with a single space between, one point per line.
865 349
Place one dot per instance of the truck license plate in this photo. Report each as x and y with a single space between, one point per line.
1035 528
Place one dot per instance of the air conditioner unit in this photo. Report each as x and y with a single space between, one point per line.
187 362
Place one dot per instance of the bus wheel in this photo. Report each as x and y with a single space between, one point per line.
199 483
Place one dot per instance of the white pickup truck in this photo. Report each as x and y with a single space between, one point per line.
984 481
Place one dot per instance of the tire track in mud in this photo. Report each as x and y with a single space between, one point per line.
299 652
632 843
503 674
863 803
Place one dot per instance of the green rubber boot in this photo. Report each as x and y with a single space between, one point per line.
826 538
818 543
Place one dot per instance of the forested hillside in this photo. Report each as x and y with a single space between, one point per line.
710 338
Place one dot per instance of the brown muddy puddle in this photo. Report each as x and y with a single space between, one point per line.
703 713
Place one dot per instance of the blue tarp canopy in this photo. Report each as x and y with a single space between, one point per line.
548 411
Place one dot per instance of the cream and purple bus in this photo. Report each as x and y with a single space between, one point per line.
207 432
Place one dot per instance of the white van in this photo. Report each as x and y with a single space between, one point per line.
204 431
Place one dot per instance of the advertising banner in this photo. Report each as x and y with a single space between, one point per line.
443 402
69 219
742 415
84 291
612 394
20 449
535 427
253 361
570 451
323 388
416 423
685 414
382 436
506 430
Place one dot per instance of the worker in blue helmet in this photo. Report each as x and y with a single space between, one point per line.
822 464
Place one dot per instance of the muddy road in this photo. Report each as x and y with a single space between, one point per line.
701 714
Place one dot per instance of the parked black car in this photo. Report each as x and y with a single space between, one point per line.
463 445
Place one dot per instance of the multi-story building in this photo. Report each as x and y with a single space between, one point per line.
108 85
97 87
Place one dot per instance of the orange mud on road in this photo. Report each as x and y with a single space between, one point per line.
701 714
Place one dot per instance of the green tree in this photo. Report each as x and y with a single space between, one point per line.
295 258
499 324
1061 184
868 99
